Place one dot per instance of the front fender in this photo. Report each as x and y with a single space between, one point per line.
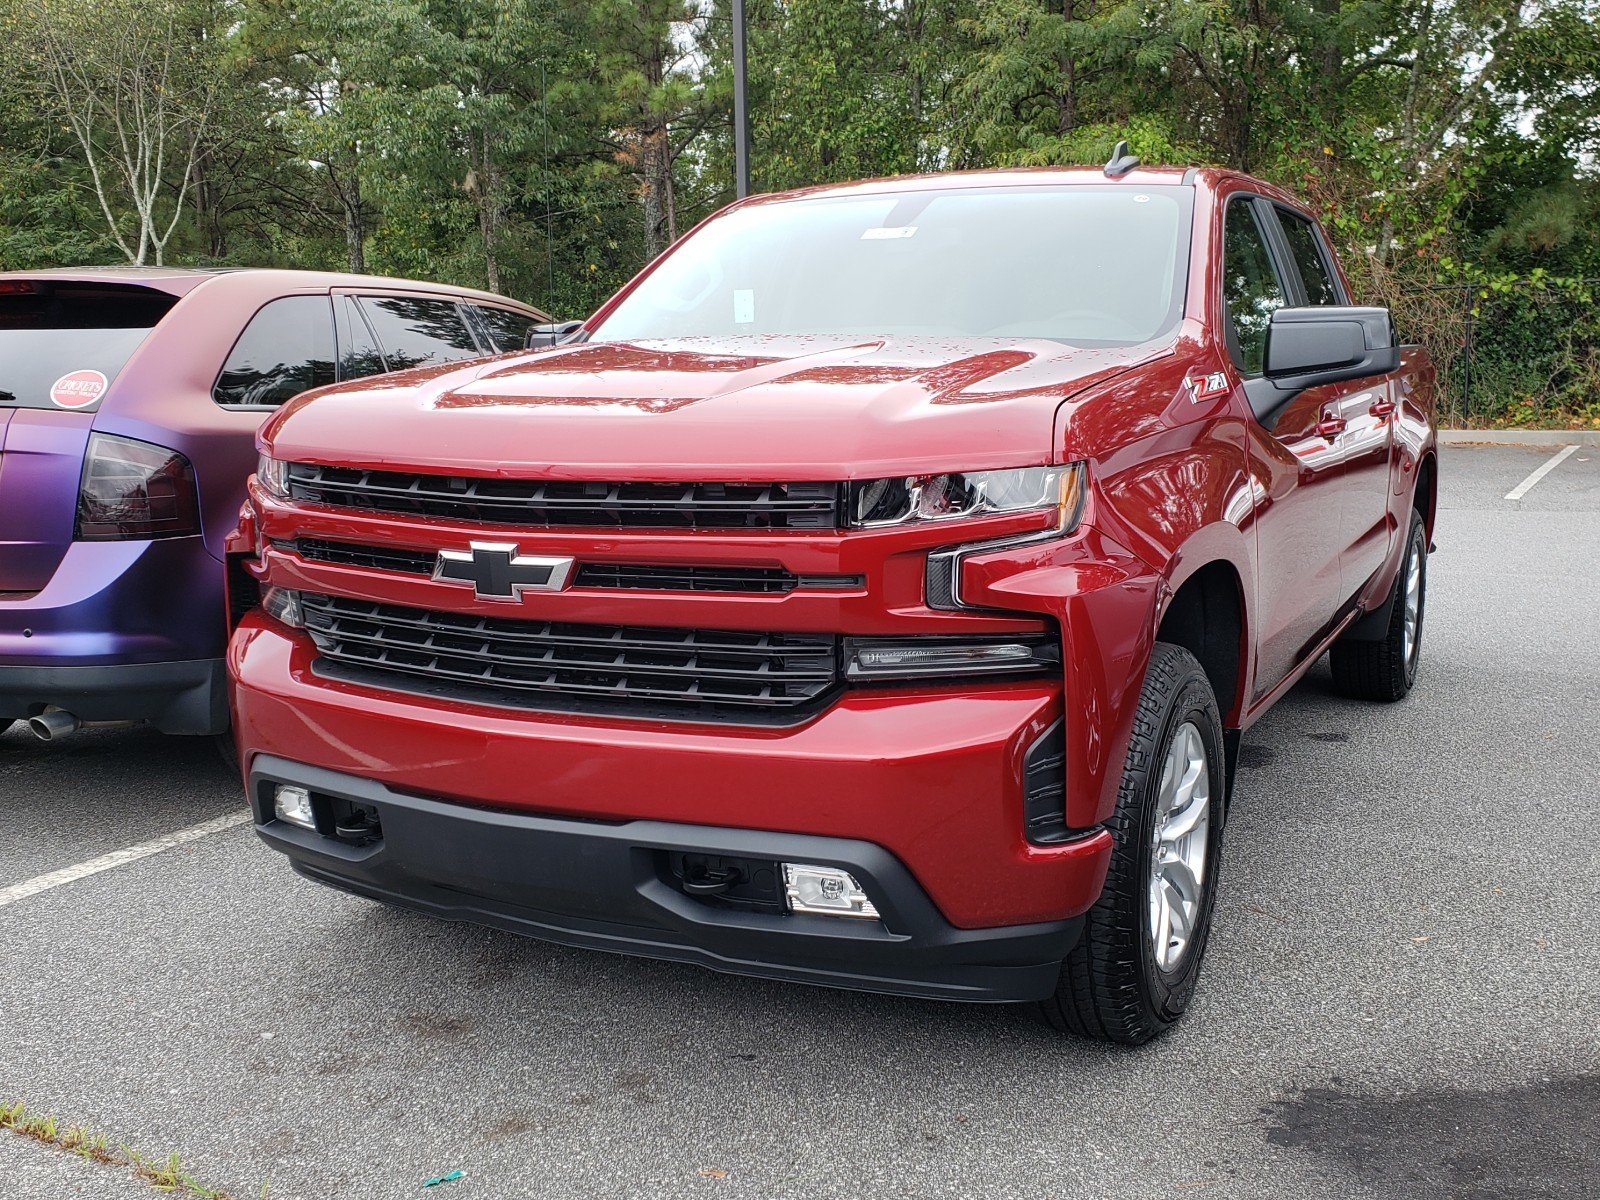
1104 599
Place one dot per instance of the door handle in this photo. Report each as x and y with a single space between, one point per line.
1330 427
1381 408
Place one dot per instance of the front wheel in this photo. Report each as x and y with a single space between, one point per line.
1384 670
1134 969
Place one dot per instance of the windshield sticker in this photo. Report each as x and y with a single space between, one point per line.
77 389
888 232
744 306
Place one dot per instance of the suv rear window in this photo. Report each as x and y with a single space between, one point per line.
61 344
286 349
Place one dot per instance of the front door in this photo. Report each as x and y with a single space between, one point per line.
1360 411
1296 464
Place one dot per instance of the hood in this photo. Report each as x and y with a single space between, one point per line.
751 408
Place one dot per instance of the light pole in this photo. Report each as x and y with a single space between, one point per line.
741 114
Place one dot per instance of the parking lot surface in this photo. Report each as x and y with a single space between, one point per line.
1402 995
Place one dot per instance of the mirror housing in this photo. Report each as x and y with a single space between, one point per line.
542 337
1311 346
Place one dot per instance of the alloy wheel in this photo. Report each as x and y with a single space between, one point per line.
1178 842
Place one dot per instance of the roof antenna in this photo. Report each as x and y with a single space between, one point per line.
1121 161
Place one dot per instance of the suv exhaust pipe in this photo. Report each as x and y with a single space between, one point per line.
52 724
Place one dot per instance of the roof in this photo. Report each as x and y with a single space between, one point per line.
179 281
992 177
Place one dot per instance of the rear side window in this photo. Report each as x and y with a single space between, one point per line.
62 344
416 331
1306 250
286 349
1251 288
507 330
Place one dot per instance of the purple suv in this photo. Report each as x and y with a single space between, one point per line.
129 403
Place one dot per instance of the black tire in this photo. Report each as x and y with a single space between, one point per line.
1111 985
5 724
1383 670
226 749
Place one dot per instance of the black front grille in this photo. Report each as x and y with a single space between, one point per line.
639 577
554 503
574 667
605 576
349 554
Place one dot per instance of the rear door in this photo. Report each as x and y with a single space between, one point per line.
62 345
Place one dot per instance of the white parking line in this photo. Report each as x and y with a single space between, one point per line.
1526 486
116 858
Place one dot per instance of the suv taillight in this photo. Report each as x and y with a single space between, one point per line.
135 490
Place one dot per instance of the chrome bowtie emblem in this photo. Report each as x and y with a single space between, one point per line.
495 571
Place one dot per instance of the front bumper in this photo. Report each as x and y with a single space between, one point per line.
608 887
932 776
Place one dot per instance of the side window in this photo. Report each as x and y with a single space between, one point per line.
1306 250
286 349
359 355
416 331
1251 288
507 330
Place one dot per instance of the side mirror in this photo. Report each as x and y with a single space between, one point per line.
1311 346
541 337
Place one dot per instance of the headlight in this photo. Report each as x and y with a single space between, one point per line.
273 475
875 503
284 605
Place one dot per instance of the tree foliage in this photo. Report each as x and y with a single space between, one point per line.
548 148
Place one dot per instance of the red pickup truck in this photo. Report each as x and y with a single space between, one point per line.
871 594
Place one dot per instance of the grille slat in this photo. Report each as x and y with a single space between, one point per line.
552 504
527 663
600 576
686 578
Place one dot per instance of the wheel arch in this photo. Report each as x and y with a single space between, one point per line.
1206 615
1425 495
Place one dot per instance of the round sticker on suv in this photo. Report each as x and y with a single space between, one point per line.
77 389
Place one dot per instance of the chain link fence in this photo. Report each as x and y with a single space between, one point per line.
1519 355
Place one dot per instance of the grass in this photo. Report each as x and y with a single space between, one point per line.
163 1174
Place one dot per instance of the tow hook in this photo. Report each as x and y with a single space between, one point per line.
712 881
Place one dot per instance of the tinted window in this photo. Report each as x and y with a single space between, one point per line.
1099 266
61 330
1250 286
1307 252
359 355
415 331
286 349
507 330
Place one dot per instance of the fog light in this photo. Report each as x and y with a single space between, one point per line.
293 804
825 890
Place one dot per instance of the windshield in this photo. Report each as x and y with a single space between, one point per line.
62 344
1094 266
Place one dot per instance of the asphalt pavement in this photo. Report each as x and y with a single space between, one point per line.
1401 999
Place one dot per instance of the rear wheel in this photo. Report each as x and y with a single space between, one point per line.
1134 969
1384 670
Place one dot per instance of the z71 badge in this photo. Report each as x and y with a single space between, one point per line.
1206 387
